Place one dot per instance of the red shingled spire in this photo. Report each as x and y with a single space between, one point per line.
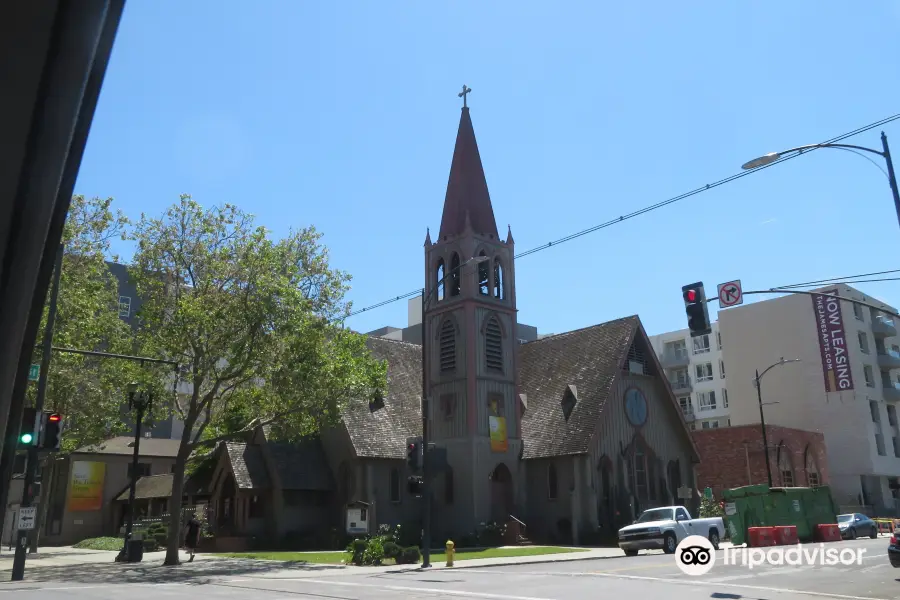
467 191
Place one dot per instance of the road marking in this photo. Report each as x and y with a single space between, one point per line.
402 588
20 590
703 582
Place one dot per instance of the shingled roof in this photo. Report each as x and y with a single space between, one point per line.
124 446
248 465
378 431
587 358
150 486
301 465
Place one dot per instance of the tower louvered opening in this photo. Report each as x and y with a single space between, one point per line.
493 345
448 346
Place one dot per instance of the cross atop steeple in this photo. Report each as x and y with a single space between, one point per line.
465 92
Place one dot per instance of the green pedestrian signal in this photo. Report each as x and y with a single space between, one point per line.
26 438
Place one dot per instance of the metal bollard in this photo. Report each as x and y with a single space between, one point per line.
450 552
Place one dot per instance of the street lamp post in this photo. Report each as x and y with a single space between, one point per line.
426 471
885 153
762 417
139 402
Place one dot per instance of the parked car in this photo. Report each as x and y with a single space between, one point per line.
894 549
856 524
665 527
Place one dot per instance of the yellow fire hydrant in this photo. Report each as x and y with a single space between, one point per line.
450 552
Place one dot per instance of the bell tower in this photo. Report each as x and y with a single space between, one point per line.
469 324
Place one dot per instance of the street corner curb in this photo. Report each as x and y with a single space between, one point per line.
511 562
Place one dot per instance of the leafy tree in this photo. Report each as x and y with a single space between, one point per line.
254 321
710 508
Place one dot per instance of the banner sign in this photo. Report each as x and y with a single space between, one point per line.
86 486
832 342
499 442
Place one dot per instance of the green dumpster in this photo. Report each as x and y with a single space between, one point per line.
761 506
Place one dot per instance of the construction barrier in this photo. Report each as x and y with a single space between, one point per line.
887 526
786 535
758 537
828 533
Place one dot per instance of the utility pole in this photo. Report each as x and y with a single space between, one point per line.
140 402
18 570
426 472
762 424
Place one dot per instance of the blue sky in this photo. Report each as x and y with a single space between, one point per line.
343 116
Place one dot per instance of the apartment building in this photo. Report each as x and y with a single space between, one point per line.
846 384
696 370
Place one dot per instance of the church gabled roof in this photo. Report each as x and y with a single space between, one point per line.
379 430
467 191
589 360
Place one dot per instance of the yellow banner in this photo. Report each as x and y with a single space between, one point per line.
86 486
498 434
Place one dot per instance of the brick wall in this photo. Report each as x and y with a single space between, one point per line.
726 454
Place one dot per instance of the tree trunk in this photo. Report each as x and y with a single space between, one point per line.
175 524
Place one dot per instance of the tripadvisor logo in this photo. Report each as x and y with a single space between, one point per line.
695 556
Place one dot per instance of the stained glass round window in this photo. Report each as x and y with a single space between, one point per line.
635 407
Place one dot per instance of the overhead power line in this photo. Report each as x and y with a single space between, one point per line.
831 280
650 208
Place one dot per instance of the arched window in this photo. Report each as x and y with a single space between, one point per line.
448 346
499 292
484 279
439 279
785 468
813 479
454 275
552 482
395 485
493 345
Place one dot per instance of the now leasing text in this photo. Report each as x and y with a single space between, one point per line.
796 556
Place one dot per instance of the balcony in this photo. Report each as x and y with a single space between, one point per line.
689 416
674 359
681 385
889 359
891 391
883 327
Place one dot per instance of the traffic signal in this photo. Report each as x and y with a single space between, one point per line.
51 432
29 427
414 453
415 485
696 309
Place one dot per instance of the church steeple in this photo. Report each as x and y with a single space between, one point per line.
467 191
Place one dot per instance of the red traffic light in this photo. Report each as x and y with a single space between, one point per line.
411 447
54 418
690 295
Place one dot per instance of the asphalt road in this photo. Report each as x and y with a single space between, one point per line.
644 576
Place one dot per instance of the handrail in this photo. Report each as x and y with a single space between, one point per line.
517 521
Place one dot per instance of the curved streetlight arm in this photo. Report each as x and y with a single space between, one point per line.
778 364
846 146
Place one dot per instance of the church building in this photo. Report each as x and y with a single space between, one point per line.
566 438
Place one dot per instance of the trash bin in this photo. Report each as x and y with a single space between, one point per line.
134 549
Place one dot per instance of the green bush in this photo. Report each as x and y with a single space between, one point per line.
357 550
151 545
374 553
710 508
491 534
392 550
409 556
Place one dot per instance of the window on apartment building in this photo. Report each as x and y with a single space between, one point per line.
722 369
680 378
870 376
701 344
718 340
124 306
879 444
705 425
873 410
724 398
693 426
895 348
685 403
729 422
896 442
395 485
678 349
704 372
706 400
858 312
863 342
892 415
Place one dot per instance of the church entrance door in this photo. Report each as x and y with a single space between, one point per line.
501 494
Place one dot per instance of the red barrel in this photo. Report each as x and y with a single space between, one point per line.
758 537
828 532
786 535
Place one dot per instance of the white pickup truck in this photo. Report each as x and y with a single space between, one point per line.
665 527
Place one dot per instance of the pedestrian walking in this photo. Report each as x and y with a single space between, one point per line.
192 536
